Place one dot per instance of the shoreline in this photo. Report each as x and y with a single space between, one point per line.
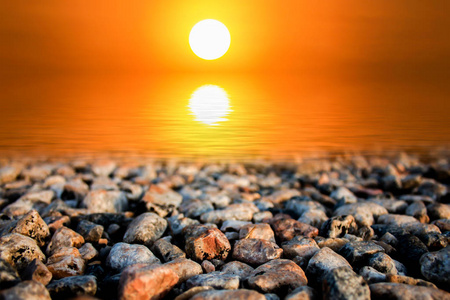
109 228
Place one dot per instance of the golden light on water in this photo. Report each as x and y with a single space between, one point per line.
209 39
209 104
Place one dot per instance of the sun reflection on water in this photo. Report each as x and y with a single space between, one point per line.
209 104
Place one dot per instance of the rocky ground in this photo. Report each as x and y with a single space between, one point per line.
347 228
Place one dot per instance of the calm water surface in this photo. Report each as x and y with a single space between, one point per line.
220 116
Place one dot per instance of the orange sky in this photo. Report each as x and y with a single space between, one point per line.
409 38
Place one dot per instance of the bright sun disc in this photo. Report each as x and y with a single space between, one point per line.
210 104
209 39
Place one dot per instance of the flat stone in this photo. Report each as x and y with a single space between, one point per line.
26 290
388 290
398 220
277 276
90 231
256 251
144 281
31 225
163 248
73 286
8 275
161 199
123 255
184 268
338 226
302 293
102 201
257 231
39 196
19 250
286 229
206 243
229 295
435 267
343 283
323 262
64 237
66 262
357 252
237 268
238 212
333 243
145 229
408 280
217 280
300 246
37 271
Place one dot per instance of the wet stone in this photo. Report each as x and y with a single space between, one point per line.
229 295
278 276
66 262
123 255
19 250
388 290
145 229
256 251
73 286
91 232
26 290
343 283
37 271
217 280
358 252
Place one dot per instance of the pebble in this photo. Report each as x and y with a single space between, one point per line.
277 276
9 173
19 250
435 267
90 231
64 237
389 290
238 212
161 199
257 231
184 268
323 262
31 225
208 266
256 251
229 295
8 275
205 243
146 281
192 292
37 271
237 268
145 229
302 293
88 252
344 283
338 226
123 255
102 201
167 251
66 262
356 252
301 246
217 280
365 213
26 290
73 286
287 229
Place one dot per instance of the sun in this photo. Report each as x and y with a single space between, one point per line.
209 39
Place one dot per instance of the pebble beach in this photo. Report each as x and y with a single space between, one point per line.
349 227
